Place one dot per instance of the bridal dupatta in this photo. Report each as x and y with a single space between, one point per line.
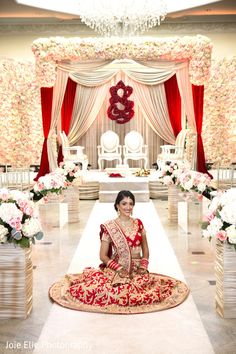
119 240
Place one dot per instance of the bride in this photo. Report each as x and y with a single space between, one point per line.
122 280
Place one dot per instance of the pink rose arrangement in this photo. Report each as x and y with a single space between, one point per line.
19 221
69 170
53 182
220 222
170 172
193 181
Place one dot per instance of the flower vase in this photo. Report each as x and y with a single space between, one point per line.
72 199
225 271
172 203
16 281
54 198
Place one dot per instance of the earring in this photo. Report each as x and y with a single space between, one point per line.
118 212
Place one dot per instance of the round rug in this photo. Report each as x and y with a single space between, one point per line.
59 294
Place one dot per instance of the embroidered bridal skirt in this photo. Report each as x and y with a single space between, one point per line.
104 291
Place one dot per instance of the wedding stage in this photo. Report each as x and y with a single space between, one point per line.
171 331
108 187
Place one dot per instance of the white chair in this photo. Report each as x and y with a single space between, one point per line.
173 152
109 149
134 149
17 178
73 153
226 177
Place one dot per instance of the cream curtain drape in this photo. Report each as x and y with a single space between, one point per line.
152 103
88 102
58 95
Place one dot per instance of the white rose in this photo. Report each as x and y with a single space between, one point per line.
188 185
59 170
214 204
3 233
31 227
9 211
205 233
231 233
228 214
215 225
201 187
167 180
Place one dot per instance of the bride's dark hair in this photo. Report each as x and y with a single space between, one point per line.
121 195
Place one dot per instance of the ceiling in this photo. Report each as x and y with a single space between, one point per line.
14 13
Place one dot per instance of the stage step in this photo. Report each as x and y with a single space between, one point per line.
109 188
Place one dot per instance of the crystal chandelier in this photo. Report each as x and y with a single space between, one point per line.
121 17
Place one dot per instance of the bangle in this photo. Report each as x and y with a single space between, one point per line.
144 263
113 265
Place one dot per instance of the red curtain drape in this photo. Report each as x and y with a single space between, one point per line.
66 111
174 104
198 98
46 105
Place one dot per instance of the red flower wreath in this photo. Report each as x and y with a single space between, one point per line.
120 109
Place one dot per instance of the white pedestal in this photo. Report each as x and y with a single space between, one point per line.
72 199
110 187
172 203
225 270
191 212
53 214
16 281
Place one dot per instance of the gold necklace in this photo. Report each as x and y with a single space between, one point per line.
127 226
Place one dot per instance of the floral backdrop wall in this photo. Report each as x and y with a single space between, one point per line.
21 122
20 114
219 124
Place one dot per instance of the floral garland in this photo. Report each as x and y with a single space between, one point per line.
49 51
120 109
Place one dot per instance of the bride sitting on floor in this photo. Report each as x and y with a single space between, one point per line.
122 280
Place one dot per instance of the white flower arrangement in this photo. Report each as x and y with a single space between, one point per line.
221 220
69 170
19 221
194 181
53 182
170 172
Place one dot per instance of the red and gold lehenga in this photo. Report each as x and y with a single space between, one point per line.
103 290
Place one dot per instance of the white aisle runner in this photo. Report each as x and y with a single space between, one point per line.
176 330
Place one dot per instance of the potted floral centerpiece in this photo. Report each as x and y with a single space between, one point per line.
70 170
170 171
51 185
220 224
19 223
19 227
73 176
195 182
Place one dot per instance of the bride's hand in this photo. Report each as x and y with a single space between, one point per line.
123 273
142 271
